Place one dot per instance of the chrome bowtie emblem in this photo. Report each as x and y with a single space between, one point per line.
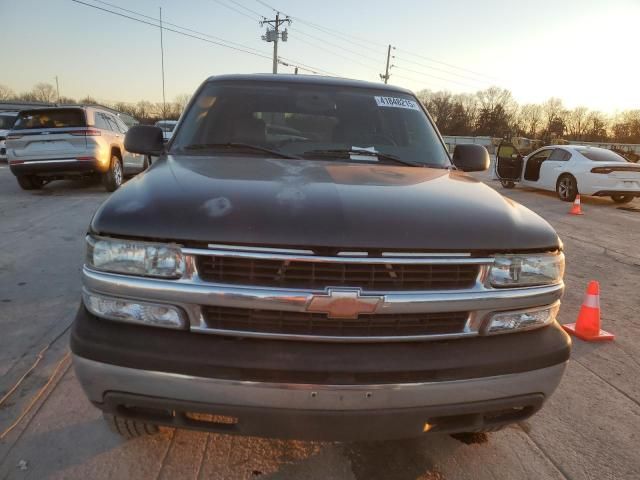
345 304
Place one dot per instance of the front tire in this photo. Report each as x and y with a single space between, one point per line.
112 178
29 182
128 428
567 188
622 198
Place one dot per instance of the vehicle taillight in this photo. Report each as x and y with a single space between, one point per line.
89 132
604 170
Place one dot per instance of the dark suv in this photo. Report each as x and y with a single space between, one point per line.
305 260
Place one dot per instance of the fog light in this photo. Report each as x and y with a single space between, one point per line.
132 311
505 322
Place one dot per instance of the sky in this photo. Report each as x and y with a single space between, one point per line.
582 51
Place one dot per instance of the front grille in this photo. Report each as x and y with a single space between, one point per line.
318 275
318 324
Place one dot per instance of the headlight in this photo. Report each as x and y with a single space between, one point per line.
505 322
527 270
135 258
134 311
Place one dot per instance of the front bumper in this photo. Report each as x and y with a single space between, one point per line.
316 412
322 391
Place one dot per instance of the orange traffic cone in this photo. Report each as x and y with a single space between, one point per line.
588 325
576 209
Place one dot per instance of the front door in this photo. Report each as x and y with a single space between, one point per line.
508 162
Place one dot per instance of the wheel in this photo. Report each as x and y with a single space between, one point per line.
29 182
567 188
129 428
622 198
508 183
112 178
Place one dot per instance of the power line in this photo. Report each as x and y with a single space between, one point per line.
330 31
449 65
342 48
459 75
179 26
197 36
436 77
361 41
237 11
246 8
336 54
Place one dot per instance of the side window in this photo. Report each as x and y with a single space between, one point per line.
543 155
101 121
121 125
113 125
560 155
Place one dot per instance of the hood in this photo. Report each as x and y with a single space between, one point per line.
299 203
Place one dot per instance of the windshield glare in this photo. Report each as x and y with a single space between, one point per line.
299 120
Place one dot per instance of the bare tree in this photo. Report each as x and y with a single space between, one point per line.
44 92
6 93
576 122
530 119
181 102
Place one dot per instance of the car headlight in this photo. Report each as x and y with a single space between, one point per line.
135 258
527 270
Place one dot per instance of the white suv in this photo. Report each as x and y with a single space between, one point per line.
48 144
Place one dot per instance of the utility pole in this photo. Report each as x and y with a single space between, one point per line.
58 89
273 35
164 102
385 77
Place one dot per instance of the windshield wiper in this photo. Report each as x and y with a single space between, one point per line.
237 146
356 151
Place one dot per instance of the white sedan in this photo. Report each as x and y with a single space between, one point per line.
569 170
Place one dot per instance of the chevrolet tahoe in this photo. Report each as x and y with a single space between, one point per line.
306 260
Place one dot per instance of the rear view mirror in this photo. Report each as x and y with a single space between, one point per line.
471 158
144 139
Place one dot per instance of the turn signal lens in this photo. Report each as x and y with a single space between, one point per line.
133 311
505 322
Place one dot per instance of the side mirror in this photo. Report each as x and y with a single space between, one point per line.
144 139
471 158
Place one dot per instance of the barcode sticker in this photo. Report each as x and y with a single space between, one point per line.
396 102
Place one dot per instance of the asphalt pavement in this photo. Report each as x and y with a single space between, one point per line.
588 429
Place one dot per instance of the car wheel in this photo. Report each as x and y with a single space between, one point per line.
129 428
28 182
112 178
567 188
622 198
508 183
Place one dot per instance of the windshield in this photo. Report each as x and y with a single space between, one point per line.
601 155
51 118
7 121
311 121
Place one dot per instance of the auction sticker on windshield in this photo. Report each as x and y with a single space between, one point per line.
396 102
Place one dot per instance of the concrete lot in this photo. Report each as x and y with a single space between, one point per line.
588 430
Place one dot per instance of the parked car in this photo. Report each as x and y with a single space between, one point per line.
344 283
7 119
167 127
569 170
48 144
